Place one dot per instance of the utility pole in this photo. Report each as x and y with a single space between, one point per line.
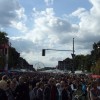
73 55
6 51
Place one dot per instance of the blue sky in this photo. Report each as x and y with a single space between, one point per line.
33 25
60 6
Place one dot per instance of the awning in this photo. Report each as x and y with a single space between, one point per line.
95 76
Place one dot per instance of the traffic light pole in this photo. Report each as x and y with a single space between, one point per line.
73 55
44 50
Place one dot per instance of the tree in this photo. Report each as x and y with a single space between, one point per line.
96 69
95 53
14 59
3 38
95 57
3 42
80 62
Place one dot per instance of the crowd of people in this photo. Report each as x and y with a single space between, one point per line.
49 86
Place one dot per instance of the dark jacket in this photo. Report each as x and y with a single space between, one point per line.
9 94
3 95
40 94
65 95
50 93
22 92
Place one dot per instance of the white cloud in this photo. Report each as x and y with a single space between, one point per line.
49 2
50 31
8 11
21 14
89 22
12 14
20 22
79 12
95 9
19 25
46 23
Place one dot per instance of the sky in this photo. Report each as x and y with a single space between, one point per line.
33 25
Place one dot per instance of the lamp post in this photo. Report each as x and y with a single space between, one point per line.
98 51
73 56
6 56
98 47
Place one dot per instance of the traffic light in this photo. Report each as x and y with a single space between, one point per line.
43 52
73 55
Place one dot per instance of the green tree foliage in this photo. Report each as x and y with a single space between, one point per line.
96 69
95 53
3 38
80 61
89 62
2 62
14 59
95 57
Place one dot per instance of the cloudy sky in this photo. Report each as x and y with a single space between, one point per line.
33 25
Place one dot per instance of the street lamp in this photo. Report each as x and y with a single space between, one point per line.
98 50
73 56
98 46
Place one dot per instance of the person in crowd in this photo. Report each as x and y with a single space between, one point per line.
3 95
94 92
72 88
50 91
84 89
14 83
88 89
9 91
33 92
3 82
40 91
30 91
98 83
58 85
47 86
65 93
22 90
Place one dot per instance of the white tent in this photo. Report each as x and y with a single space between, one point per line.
54 71
78 72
